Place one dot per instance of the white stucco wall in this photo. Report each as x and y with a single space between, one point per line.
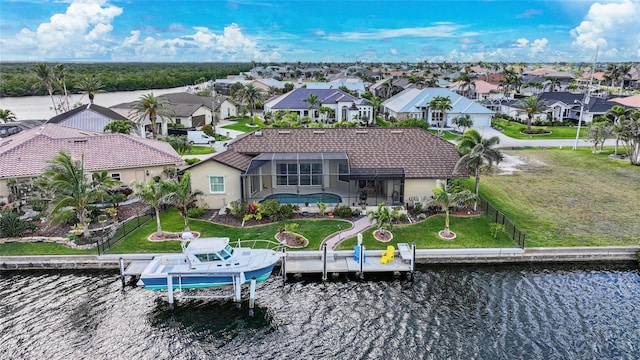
200 181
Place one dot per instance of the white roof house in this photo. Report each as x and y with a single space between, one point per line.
414 104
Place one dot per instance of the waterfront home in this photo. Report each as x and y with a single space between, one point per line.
90 117
414 104
345 106
125 157
350 166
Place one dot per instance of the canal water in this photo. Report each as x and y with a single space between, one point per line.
488 312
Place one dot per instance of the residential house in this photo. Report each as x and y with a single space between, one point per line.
566 106
349 166
352 84
225 107
126 157
187 109
389 87
478 90
346 107
414 104
14 127
629 101
90 117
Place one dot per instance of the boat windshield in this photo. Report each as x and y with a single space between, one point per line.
208 257
227 252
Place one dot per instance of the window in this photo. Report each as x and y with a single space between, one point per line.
343 172
289 174
216 184
116 176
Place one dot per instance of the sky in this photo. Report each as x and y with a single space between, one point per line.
320 31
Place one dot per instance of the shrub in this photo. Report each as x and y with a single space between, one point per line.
191 161
403 218
496 229
208 129
285 212
238 209
196 212
342 211
270 208
418 207
12 226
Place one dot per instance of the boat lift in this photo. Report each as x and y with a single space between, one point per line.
238 280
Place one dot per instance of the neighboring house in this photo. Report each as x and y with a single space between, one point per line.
389 87
478 90
355 166
346 107
352 84
90 117
629 101
15 127
565 105
126 157
225 108
414 104
187 109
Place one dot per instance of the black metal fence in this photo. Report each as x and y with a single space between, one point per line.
497 216
107 238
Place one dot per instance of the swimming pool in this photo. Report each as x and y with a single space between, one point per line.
303 198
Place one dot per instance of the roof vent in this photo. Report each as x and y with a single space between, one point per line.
361 131
284 132
257 133
396 131
319 131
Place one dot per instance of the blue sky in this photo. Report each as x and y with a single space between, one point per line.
319 31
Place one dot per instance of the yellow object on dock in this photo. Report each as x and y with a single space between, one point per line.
388 255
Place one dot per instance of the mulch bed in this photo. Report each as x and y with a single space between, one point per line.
383 237
291 239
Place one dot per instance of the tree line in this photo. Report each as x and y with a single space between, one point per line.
18 79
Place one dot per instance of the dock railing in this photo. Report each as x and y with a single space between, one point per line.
497 216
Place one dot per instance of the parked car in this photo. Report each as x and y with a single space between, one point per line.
199 137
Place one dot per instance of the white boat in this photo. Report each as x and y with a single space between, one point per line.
211 262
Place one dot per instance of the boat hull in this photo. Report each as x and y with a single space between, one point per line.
198 281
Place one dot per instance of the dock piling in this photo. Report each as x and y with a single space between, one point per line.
284 264
413 259
361 261
324 262
170 291
121 263
252 295
237 284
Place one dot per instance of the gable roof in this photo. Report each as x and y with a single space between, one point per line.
90 117
632 101
420 153
27 153
414 100
295 99
181 104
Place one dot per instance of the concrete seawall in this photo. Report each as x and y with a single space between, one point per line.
423 256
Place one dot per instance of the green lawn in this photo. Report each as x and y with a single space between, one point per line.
569 198
199 150
23 249
446 134
243 124
513 129
472 232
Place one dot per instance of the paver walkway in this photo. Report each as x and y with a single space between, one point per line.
359 226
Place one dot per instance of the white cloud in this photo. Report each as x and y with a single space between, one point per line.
539 45
521 43
438 30
393 51
613 27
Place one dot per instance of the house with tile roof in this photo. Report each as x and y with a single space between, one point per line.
187 109
414 104
126 157
90 117
349 166
346 106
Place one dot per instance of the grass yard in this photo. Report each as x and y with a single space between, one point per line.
569 198
137 241
243 124
25 249
513 129
199 150
472 232
447 135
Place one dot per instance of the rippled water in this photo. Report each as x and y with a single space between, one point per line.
497 312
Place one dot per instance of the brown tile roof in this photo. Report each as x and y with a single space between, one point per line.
420 153
27 153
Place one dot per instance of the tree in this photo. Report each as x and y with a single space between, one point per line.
478 153
467 82
251 96
446 199
629 133
382 216
7 116
598 131
531 106
152 193
46 78
463 121
118 126
619 115
72 191
312 100
441 104
326 113
60 75
180 195
90 85
101 182
152 107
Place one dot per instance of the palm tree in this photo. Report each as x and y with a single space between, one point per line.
251 96
149 106
478 154
382 216
623 70
67 180
153 194
619 115
531 106
101 182
182 196
467 83
60 75
312 100
442 104
7 116
445 198
90 86
463 121
45 76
